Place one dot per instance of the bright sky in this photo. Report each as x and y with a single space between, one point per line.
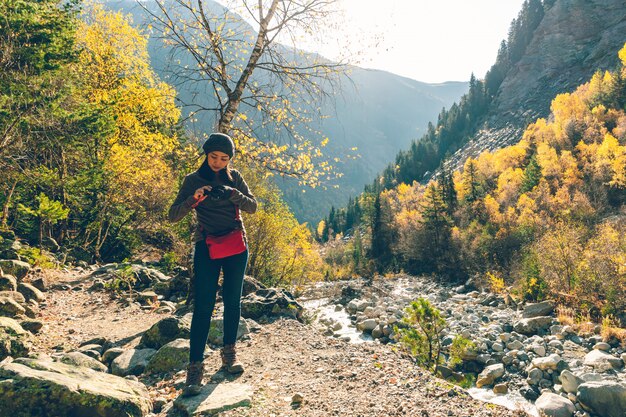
428 40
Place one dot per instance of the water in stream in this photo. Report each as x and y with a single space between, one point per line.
406 290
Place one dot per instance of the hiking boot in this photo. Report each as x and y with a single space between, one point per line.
193 383
229 360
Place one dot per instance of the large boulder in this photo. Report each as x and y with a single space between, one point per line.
143 276
8 283
553 405
569 381
216 332
132 362
489 375
534 325
545 308
14 340
40 388
19 269
251 285
11 308
30 292
604 398
602 361
166 330
174 356
270 302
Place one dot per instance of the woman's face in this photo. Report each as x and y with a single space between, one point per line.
217 160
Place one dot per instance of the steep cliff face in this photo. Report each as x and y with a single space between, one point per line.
574 40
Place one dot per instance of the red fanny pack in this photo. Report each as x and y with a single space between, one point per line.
227 245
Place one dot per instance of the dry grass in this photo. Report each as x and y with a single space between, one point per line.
582 322
611 331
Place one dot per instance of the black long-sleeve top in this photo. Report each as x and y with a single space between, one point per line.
213 217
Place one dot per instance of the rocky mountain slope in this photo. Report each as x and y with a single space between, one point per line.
575 39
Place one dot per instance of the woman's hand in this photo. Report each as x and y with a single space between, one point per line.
199 193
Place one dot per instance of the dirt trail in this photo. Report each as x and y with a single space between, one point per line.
284 358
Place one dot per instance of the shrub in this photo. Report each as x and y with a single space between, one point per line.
422 336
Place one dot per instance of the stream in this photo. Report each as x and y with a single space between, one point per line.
402 291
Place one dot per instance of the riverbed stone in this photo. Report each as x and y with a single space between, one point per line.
489 375
602 361
553 405
544 308
534 325
602 346
367 325
215 398
40 388
132 362
569 381
549 362
603 398
534 376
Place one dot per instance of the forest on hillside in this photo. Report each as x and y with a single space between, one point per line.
92 149
545 217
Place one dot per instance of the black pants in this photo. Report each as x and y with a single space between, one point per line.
207 272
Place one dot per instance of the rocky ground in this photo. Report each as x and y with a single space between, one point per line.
292 369
80 342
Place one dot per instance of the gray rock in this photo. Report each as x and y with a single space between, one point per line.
604 398
514 345
131 362
530 326
553 405
40 388
11 308
367 325
110 354
602 361
31 325
8 283
545 308
10 326
534 376
166 330
549 362
215 398
173 356
569 381
216 331
540 350
501 388
80 359
602 346
30 292
489 375
14 295
18 269
270 302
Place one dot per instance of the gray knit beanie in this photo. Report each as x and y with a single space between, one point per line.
219 142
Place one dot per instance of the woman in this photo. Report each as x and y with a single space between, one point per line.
217 193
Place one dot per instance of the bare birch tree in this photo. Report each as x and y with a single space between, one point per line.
259 86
